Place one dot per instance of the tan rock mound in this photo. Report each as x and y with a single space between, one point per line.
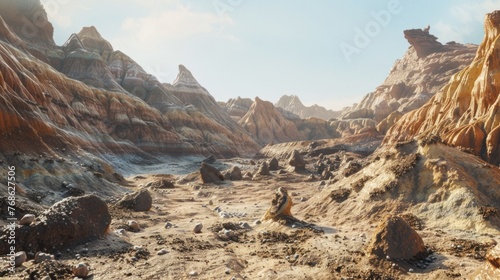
268 125
395 239
67 222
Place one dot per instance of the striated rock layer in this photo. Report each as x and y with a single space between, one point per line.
466 110
267 124
86 95
426 67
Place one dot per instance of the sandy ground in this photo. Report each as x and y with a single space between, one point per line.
234 245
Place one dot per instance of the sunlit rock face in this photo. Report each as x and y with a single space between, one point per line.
237 107
267 124
465 112
293 104
85 94
424 69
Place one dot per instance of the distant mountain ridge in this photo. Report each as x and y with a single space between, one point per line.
293 104
86 95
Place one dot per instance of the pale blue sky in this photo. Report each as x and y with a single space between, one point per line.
269 48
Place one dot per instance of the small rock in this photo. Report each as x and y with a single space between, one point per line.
27 219
162 252
257 222
20 258
81 270
40 257
168 225
121 231
46 278
410 270
137 248
210 202
362 235
134 259
133 225
193 273
228 271
197 228
245 225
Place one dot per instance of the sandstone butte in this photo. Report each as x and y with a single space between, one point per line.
424 69
465 112
87 95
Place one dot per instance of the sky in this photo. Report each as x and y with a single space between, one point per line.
330 53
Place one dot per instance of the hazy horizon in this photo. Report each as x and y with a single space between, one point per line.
330 54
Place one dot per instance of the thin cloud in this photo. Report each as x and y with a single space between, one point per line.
474 12
173 24
464 21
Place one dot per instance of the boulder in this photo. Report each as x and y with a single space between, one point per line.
210 174
296 160
235 174
162 184
137 201
71 220
274 164
396 239
81 270
263 169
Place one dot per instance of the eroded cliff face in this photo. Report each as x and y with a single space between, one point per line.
85 94
426 67
268 125
465 112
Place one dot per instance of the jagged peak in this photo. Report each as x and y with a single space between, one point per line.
186 79
92 40
90 31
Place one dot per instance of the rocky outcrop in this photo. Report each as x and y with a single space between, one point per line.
267 125
238 107
424 69
423 42
72 220
465 111
189 91
116 107
293 104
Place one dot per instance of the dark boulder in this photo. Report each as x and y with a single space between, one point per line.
69 221
210 174
137 201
